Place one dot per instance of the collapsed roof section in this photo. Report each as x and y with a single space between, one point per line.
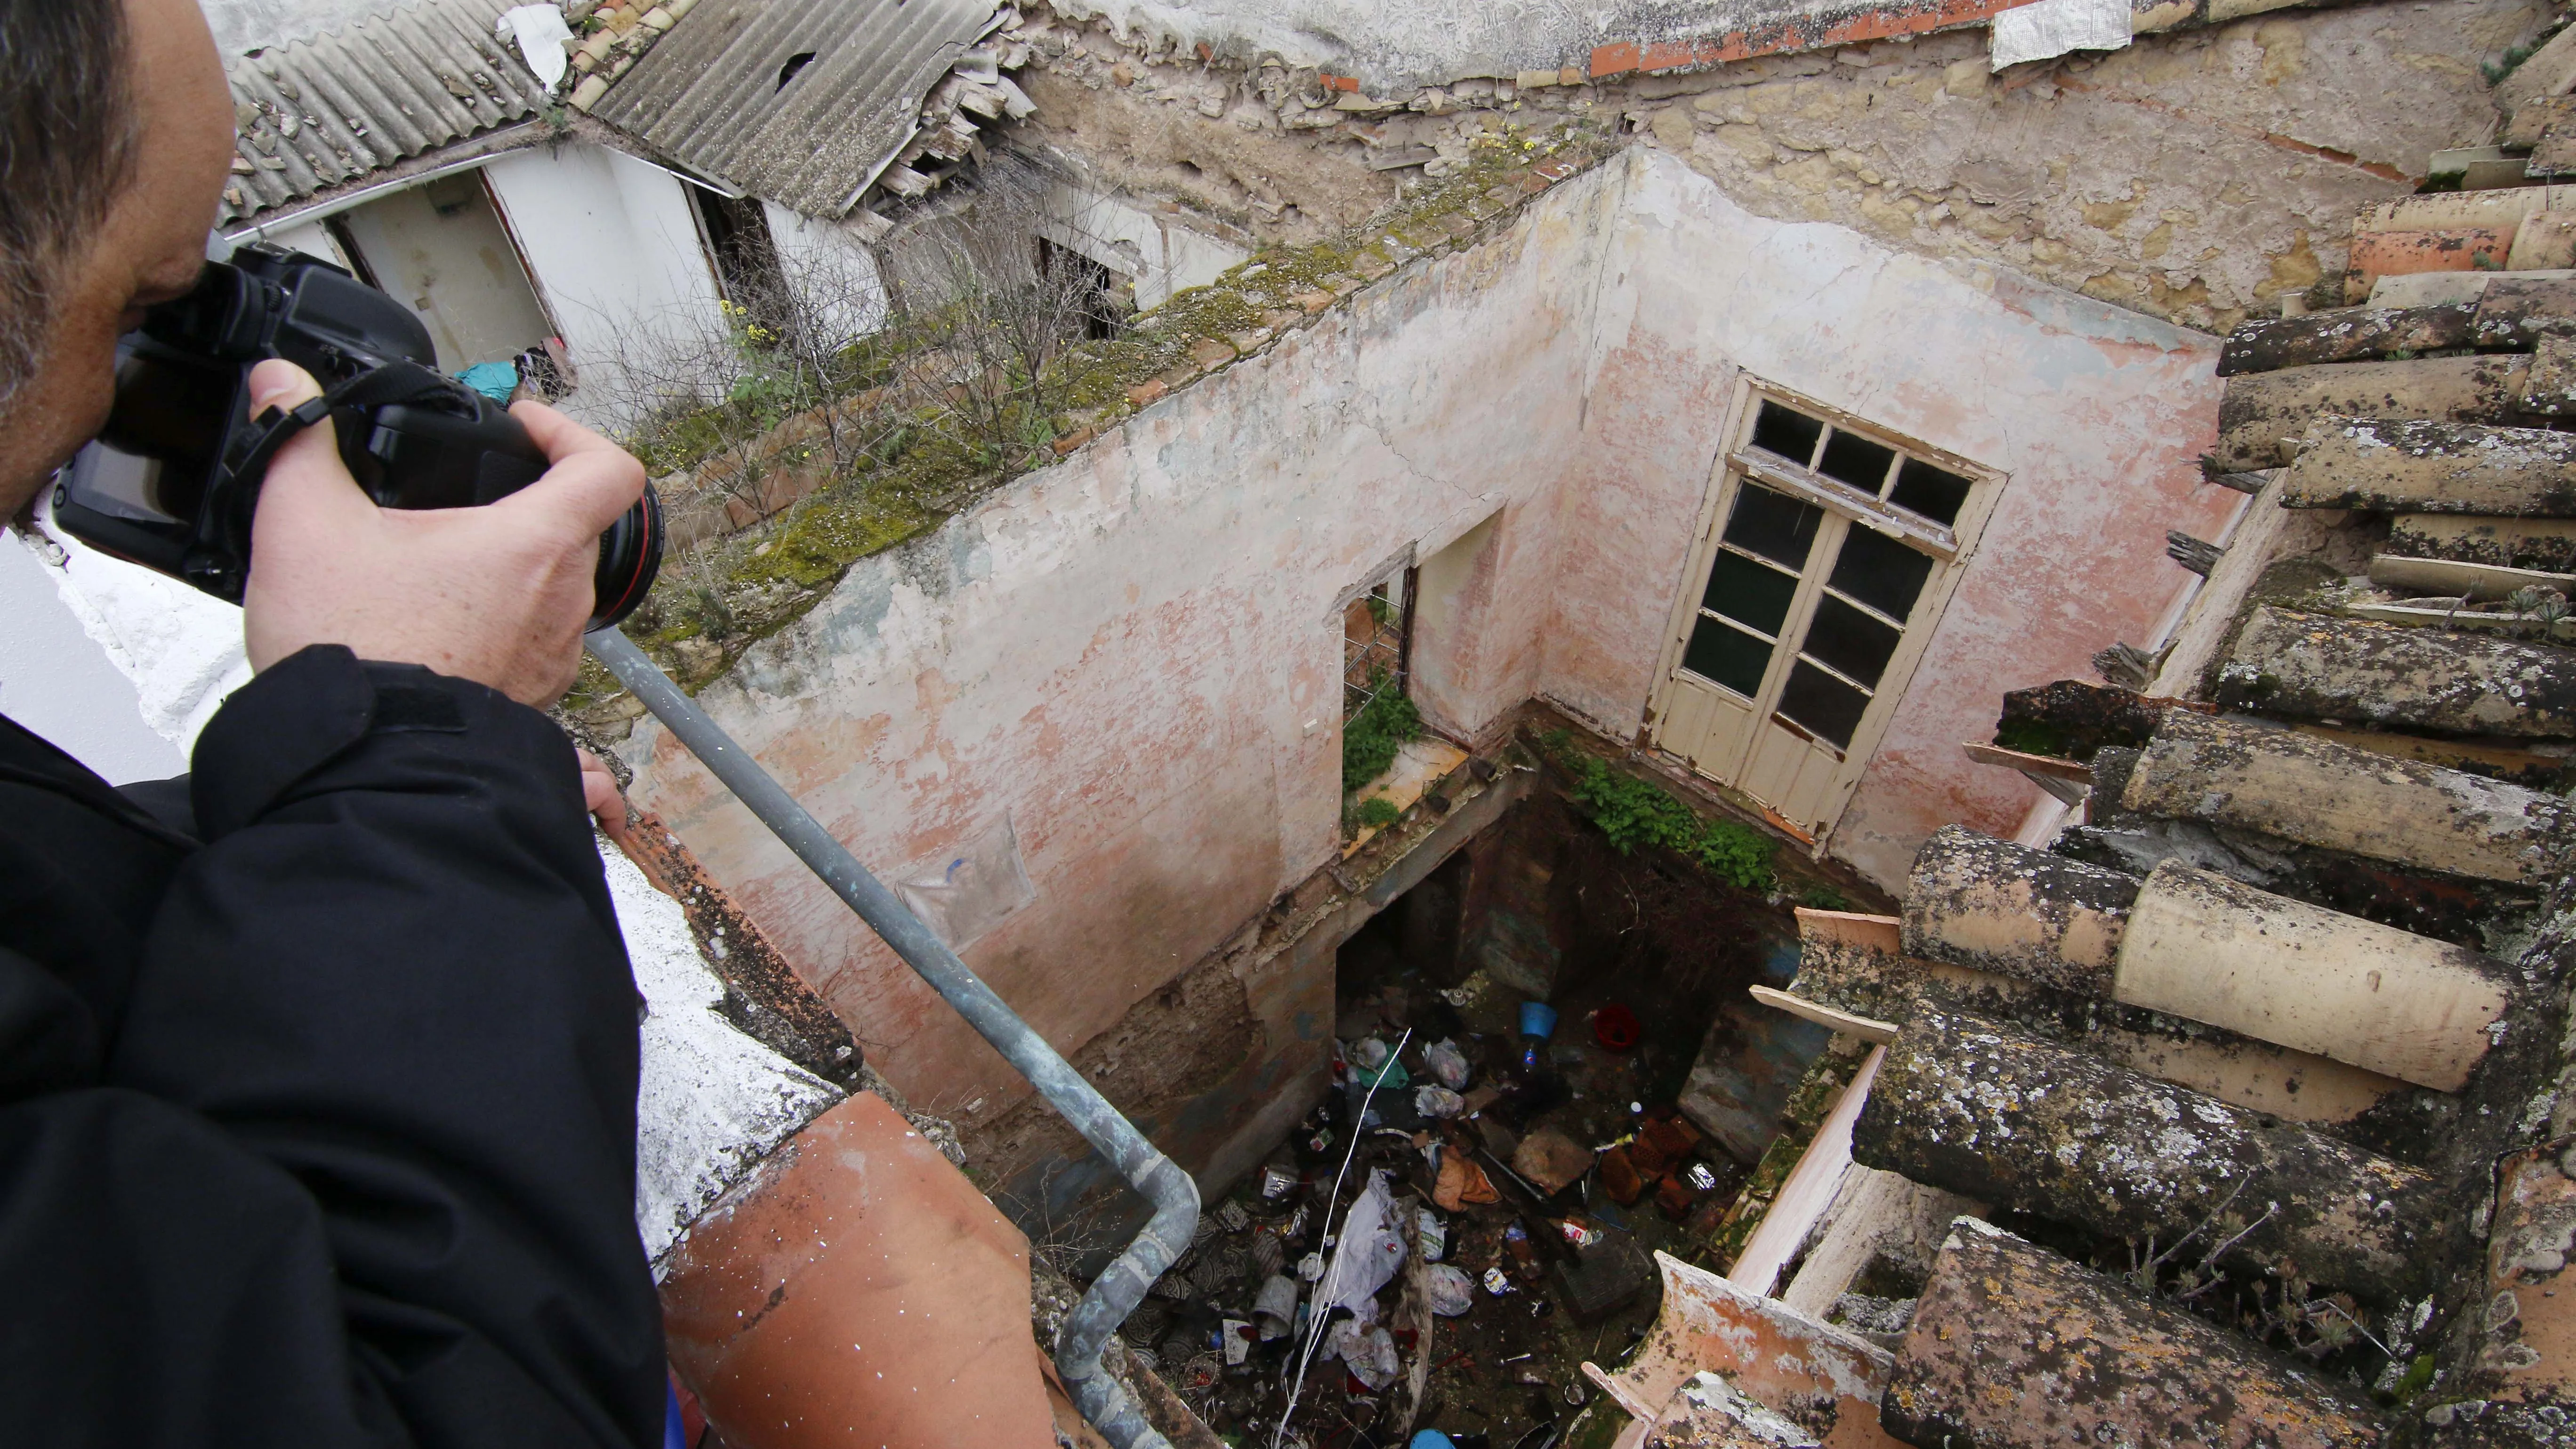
811 104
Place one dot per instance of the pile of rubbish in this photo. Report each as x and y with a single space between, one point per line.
1437 1248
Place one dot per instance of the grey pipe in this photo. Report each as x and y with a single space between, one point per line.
1120 1286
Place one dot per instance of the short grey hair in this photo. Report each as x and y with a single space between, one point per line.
68 138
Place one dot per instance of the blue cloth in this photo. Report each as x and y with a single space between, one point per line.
675 1433
1433 1439
495 380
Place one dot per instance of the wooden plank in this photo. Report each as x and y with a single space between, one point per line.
2014 1347
2260 411
2343 335
2408 616
1877 1209
1849 928
2427 466
2469 580
1985 754
1808 1190
1825 1016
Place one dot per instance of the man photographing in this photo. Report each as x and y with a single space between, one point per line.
317 1078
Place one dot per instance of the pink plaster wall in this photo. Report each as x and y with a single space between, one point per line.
2096 415
1133 658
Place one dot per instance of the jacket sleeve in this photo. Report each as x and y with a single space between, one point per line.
389 1003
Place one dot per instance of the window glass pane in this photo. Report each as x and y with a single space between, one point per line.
1791 435
1849 640
1723 654
1857 461
1822 703
1774 525
1932 492
1880 572
1749 592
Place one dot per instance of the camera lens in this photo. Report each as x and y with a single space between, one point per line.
630 556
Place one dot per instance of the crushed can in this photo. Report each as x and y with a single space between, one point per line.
1700 1176
1277 1182
1497 1282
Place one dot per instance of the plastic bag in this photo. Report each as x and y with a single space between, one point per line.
1438 1102
1450 1289
1447 1063
1373 1065
1366 1254
1369 1351
1275 1310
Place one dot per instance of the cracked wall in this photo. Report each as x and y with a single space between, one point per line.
1133 658
2195 176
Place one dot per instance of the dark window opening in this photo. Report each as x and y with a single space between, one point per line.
745 256
794 67
1856 460
1935 493
1792 435
1876 570
1725 655
1103 313
1774 525
1828 707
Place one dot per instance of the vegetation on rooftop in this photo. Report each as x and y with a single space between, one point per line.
1634 812
1370 738
875 409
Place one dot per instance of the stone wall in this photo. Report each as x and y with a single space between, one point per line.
2194 176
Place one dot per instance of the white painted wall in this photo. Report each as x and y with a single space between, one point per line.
58 682
616 255
314 240
833 268
1160 254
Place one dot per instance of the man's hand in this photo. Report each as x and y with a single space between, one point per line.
601 797
496 594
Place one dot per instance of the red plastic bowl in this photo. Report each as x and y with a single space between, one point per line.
1616 1028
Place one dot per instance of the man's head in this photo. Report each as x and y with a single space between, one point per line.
116 134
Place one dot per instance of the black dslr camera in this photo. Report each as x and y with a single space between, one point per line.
173 479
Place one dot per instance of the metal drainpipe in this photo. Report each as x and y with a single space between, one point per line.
1120 1286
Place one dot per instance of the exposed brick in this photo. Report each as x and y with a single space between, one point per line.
1146 392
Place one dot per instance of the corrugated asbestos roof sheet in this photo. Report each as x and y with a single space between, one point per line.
710 95
315 113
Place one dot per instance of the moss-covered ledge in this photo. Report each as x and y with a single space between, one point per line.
700 620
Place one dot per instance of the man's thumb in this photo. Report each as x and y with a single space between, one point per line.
281 385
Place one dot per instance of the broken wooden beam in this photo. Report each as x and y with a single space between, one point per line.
2547 544
2072 718
2196 554
2201 946
2313 667
2320 793
2260 411
2014 1347
1979 1109
2345 334
2433 467
1972 900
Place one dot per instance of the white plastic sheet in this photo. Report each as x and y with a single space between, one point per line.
543 39
2048 28
1368 1252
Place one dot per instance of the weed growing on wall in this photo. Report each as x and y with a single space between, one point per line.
1375 813
1371 737
1634 812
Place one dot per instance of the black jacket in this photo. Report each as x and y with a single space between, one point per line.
319 1132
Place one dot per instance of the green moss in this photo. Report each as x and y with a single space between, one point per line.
1635 812
1375 813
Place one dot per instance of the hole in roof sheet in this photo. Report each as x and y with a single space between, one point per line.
794 67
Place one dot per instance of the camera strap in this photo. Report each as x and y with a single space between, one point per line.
393 384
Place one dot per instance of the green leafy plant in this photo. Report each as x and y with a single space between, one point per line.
1371 737
1633 812
1824 898
1375 813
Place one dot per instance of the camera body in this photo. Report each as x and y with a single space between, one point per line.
173 480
